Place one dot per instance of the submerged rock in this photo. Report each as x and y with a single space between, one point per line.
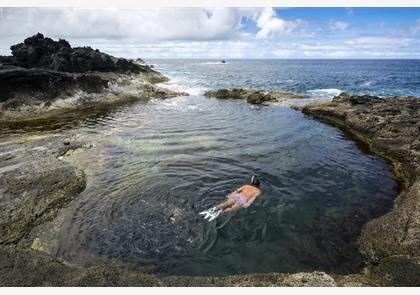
252 96
391 128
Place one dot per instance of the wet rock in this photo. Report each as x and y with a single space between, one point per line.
21 267
252 96
26 267
34 184
391 128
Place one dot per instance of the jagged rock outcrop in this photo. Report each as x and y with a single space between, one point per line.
47 77
43 52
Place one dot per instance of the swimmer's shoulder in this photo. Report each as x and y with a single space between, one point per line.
250 189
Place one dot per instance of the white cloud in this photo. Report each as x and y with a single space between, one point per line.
271 26
200 33
268 48
339 26
144 25
379 41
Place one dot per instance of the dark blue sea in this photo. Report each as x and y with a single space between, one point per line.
316 77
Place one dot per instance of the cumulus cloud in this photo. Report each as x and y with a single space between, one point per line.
203 33
270 25
144 25
339 26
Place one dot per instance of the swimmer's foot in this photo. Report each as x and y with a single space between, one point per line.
211 213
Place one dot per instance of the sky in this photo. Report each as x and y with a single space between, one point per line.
223 33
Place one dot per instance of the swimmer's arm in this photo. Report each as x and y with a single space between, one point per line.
237 191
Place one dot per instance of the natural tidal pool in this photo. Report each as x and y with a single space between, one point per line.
155 165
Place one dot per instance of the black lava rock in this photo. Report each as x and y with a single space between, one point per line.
43 52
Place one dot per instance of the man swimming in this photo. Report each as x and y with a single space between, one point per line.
243 197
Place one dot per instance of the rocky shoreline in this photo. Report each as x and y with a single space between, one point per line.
391 129
47 81
37 180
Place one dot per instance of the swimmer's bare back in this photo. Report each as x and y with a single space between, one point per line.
243 197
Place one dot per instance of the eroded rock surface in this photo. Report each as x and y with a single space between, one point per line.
34 183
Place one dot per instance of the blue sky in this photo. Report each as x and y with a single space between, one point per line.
224 32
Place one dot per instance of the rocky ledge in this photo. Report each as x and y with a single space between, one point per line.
391 128
35 182
45 79
253 96
26 267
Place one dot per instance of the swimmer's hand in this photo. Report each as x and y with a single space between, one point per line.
211 213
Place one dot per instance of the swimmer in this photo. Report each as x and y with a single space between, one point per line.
243 197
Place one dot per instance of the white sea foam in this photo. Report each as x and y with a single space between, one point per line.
329 92
183 85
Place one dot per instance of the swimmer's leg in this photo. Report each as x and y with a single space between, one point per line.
234 207
214 212
226 204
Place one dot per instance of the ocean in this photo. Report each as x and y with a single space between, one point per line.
314 77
